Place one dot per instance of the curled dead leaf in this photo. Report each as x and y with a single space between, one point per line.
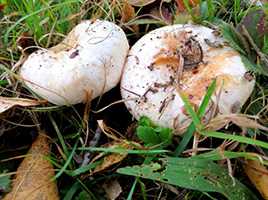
34 175
113 158
258 175
9 102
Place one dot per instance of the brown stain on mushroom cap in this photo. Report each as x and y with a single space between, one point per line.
168 55
174 40
195 84
166 60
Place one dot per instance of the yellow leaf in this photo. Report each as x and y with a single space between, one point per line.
258 175
33 176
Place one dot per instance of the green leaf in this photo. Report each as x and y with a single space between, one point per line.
145 121
148 135
165 135
153 135
190 173
5 183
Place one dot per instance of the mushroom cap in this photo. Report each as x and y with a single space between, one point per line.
182 58
88 62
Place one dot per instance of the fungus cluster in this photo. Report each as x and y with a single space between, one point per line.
163 63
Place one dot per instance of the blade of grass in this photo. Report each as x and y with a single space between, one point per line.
123 151
191 111
143 189
32 14
84 169
69 195
61 139
236 138
201 111
129 197
66 164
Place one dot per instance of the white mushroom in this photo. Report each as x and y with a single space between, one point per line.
88 62
183 58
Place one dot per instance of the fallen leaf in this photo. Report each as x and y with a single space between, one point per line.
9 102
191 173
113 158
34 175
181 6
2 6
258 175
113 189
140 3
127 14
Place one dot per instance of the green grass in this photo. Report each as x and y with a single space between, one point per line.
47 22
41 19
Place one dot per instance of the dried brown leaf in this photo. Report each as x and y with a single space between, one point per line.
34 175
181 6
2 6
9 102
127 14
113 189
258 174
113 158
